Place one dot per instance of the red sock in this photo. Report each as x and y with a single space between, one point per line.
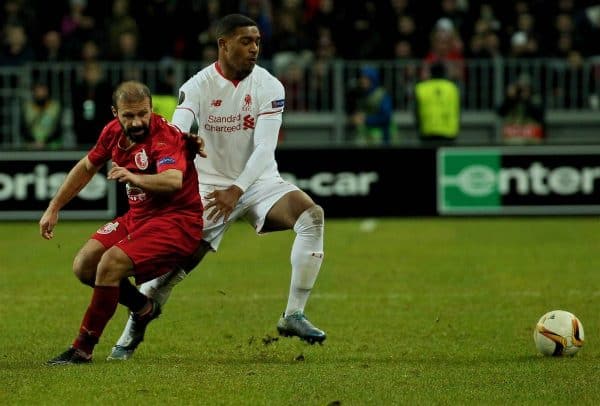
103 306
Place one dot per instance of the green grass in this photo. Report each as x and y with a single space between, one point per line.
418 311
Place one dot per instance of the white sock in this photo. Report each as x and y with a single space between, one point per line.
306 257
158 289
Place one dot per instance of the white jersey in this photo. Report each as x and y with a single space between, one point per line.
234 119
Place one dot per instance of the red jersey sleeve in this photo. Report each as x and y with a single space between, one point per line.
169 149
102 151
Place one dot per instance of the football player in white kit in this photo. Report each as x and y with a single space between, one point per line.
238 107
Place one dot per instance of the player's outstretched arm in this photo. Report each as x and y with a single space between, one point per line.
76 179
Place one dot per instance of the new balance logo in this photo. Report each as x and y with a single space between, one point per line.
248 122
216 102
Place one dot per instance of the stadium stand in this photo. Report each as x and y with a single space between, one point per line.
317 48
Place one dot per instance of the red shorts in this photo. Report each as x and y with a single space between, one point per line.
154 245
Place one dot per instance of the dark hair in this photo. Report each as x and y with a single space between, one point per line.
228 24
438 70
131 91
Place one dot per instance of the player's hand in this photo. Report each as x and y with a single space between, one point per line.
222 202
47 223
121 174
195 144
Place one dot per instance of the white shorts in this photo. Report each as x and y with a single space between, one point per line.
253 206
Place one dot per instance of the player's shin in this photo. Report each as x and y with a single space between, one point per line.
102 307
306 257
130 296
158 289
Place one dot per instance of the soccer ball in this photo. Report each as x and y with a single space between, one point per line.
558 333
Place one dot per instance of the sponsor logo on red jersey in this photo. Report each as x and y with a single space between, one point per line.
135 194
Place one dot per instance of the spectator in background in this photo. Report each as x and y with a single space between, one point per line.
127 47
588 24
454 11
403 49
16 50
198 36
522 114
364 38
570 84
446 47
118 22
437 106
291 43
42 118
91 96
14 12
159 43
523 46
371 113
90 51
484 42
407 29
325 17
292 78
260 11
77 25
320 71
563 26
51 48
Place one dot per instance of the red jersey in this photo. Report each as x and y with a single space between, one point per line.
162 149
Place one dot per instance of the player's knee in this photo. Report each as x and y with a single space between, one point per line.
113 266
84 269
317 214
311 221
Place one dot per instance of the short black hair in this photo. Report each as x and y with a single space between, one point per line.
228 24
438 70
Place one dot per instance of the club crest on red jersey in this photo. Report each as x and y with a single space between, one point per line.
108 228
141 160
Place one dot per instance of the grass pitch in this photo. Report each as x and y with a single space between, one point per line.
417 311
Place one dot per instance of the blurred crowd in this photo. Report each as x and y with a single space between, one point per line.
299 40
299 30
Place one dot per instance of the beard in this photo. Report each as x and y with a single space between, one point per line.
137 133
